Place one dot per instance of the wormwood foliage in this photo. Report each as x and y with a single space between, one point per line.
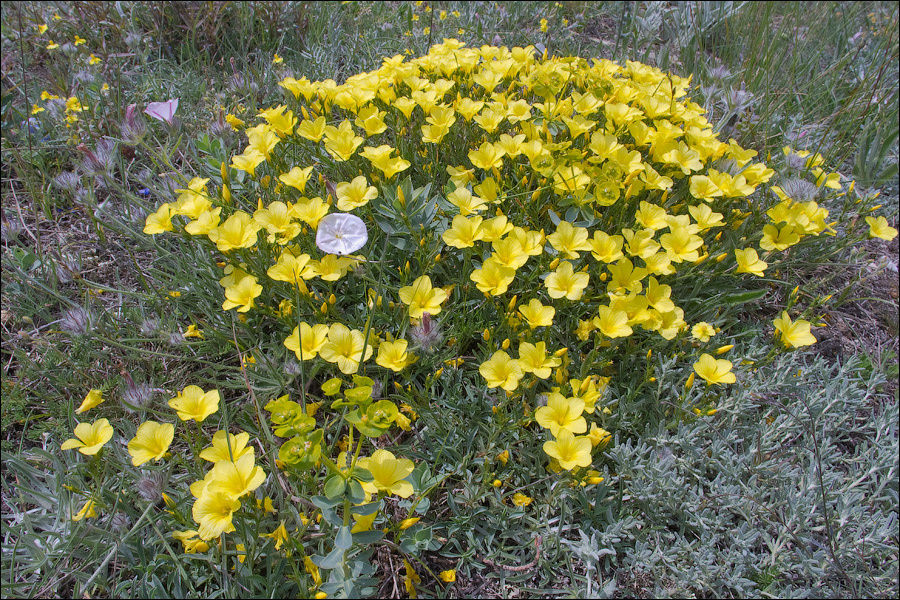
526 226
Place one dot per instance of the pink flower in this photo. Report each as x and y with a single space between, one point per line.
163 111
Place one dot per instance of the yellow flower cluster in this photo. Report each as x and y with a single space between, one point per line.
585 186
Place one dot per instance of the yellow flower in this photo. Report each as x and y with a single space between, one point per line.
536 314
520 499
228 447
702 331
235 123
213 512
313 339
533 359
193 332
565 282
748 261
394 356
87 511
192 403
296 178
159 221
448 576
52 45
345 348
879 228
35 109
93 398
242 294
794 334
79 40
569 240
487 157
190 541
238 231
235 478
91 437
714 370
248 161
493 278
355 194
151 442
93 60
778 239
422 297
388 473
569 451
41 29
501 371
612 323
561 414
277 60
280 535
599 436
544 25
464 232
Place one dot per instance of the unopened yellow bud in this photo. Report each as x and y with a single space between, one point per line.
438 257
603 276
495 409
649 353
224 172
226 194
497 483
407 523
595 480
711 412
718 236
400 196
505 344
721 256
562 352
512 303
438 372
406 267
486 334
723 349
332 299
554 264
304 112
689 382
324 308
535 195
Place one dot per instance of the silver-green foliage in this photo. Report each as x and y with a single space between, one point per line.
790 490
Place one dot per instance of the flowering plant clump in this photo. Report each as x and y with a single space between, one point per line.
582 212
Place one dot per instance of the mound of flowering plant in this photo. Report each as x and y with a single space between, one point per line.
530 221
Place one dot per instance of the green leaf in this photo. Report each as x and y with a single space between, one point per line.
745 297
335 486
343 539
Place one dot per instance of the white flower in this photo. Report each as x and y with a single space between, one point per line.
341 233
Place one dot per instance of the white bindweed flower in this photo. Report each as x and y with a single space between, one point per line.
341 233
163 111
